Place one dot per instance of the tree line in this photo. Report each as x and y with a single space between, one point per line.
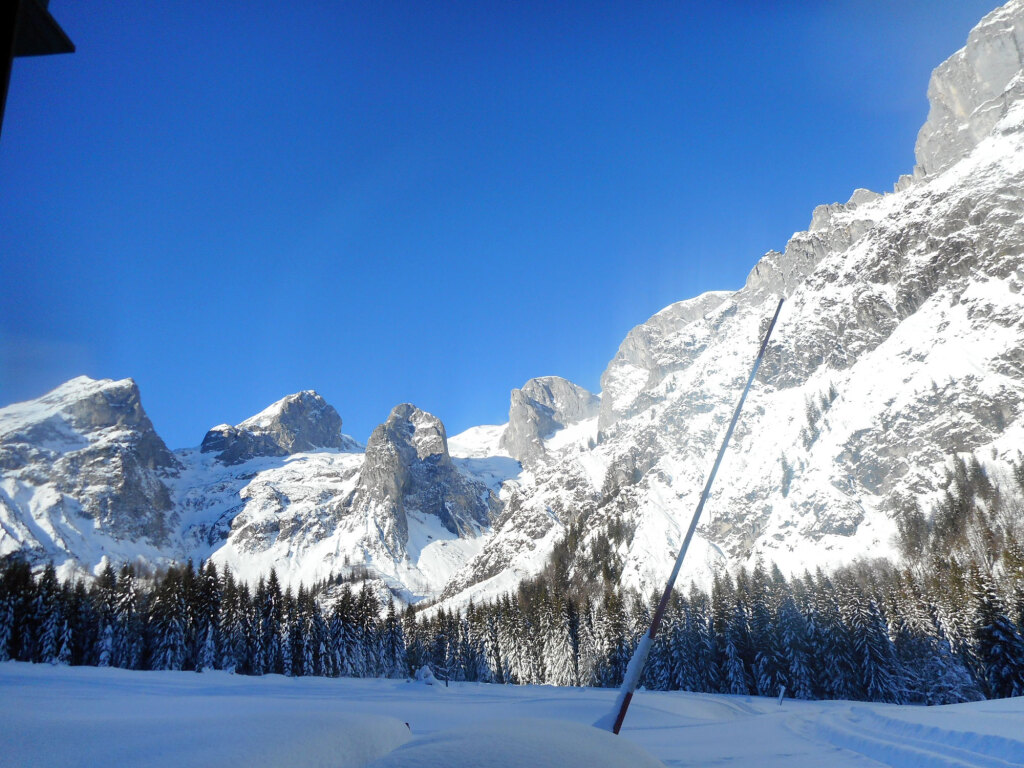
185 618
870 632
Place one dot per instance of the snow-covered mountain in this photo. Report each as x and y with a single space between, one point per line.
85 477
900 344
84 472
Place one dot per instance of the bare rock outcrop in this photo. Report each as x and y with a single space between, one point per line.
295 424
972 90
543 406
408 469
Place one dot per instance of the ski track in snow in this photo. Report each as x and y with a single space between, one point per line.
85 716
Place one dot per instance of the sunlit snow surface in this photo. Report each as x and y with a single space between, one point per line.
59 716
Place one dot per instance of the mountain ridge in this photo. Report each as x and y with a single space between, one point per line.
899 347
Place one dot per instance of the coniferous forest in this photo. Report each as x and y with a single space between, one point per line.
945 626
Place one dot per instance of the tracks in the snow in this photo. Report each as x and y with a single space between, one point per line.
901 744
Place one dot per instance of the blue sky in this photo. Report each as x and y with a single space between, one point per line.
424 202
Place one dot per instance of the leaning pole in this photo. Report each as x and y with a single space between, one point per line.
636 663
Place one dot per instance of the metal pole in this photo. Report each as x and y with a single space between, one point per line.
636 663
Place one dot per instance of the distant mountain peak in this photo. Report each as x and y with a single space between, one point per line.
973 89
300 422
541 407
88 456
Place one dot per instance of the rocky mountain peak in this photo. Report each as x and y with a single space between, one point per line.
85 410
543 406
972 90
294 424
420 431
408 468
88 451
666 342
409 437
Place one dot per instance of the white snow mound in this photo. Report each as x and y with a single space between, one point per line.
517 742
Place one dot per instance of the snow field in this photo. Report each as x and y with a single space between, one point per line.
73 717
520 742
85 716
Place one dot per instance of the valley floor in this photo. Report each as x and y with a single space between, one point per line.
83 716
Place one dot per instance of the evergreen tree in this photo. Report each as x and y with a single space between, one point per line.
208 652
495 661
82 616
168 623
319 639
735 679
394 645
64 642
46 612
703 663
792 633
367 619
271 620
104 598
588 631
106 653
770 673
658 671
614 646
231 626
511 640
17 591
337 629
129 636
206 613
880 674
6 626
559 662
284 643
999 647
415 648
835 673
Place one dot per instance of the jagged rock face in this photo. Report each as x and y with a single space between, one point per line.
403 508
86 451
651 351
296 424
971 91
408 468
543 406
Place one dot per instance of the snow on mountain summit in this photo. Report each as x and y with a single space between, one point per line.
296 423
83 471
